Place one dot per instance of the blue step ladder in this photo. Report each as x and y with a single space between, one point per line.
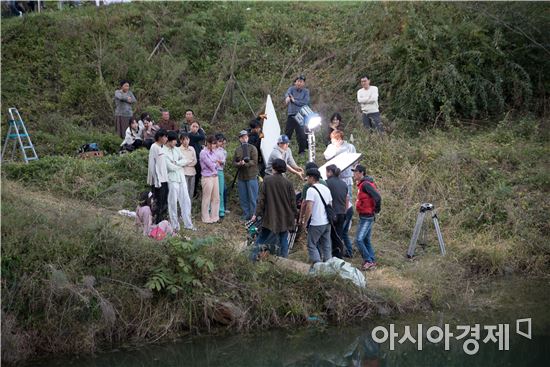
17 132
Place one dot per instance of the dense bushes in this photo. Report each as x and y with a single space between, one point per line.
433 62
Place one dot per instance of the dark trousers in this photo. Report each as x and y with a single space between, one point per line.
121 124
291 125
197 179
372 121
131 147
345 236
339 224
160 194
147 143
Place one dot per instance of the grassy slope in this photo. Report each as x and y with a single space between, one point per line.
61 67
490 186
490 189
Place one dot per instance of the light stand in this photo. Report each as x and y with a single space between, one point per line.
310 145
312 123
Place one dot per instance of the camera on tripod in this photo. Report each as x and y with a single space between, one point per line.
426 207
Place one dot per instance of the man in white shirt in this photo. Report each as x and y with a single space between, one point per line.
177 184
368 100
319 246
157 175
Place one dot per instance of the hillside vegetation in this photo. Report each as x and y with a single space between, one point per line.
463 95
433 63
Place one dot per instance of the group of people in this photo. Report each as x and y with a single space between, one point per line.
326 207
182 156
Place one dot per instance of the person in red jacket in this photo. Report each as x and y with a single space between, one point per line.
367 205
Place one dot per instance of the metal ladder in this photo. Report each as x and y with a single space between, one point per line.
18 133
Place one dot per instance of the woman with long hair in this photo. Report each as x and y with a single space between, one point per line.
133 138
335 123
209 162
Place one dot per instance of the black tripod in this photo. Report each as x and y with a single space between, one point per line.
426 207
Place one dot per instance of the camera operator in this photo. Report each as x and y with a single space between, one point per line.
246 161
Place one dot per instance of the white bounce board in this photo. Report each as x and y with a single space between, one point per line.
342 161
271 130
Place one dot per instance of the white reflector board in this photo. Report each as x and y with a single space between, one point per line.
342 161
271 130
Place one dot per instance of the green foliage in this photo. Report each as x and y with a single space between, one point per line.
448 71
433 62
113 181
185 267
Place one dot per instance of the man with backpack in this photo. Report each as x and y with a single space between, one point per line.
367 205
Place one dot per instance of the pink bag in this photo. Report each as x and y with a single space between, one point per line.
157 233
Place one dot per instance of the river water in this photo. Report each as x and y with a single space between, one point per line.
322 345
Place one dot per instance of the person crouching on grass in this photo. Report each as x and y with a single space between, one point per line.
208 159
177 185
144 217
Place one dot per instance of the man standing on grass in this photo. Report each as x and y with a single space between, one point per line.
367 97
319 245
277 208
246 162
368 205
296 97
124 99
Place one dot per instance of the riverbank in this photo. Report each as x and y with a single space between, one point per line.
75 274
338 345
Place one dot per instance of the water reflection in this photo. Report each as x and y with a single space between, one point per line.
313 347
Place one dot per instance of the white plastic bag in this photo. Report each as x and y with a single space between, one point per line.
343 269
127 213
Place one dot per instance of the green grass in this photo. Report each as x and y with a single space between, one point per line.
60 230
74 274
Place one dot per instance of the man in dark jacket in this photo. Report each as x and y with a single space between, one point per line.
166 123
277 207
339 191
246 161
197 136
296 97
255 138
367 205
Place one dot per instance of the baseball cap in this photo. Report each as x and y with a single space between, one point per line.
300 77
243 133
283 139
360 168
